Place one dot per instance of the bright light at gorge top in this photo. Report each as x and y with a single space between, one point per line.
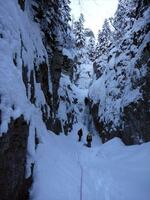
94 11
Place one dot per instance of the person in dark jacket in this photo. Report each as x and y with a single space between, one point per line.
89 140
80 133
86 101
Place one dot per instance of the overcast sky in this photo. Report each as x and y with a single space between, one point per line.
95 11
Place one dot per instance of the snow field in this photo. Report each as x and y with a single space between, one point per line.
67 170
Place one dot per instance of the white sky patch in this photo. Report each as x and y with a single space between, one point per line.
95 11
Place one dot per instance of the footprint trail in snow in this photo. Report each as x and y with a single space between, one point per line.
67 170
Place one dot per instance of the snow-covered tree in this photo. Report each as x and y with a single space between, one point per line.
123 18
79 32
53 18
91 48
104 39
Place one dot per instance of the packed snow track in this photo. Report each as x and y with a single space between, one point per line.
67 170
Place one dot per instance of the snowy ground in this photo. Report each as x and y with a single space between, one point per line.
67 170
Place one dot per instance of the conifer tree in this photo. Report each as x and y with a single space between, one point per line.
79 32
104 39
91 48
53 17
123 18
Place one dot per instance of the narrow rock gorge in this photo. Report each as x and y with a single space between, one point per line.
51 80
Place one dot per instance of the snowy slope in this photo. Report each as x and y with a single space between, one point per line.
65 169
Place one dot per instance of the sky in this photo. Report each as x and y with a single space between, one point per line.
95 11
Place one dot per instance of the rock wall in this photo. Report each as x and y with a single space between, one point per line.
13 151
121 107
55 34
32 63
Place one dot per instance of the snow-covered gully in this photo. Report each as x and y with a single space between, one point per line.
56 78
67 170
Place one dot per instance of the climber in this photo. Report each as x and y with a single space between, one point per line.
86 101
89 140
80 133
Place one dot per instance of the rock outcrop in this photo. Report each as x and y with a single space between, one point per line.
13 151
